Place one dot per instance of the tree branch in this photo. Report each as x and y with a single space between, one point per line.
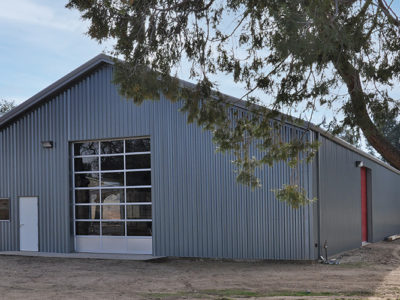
351 77
389 13
184 3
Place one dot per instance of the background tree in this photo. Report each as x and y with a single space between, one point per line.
6 105
388 124
298 53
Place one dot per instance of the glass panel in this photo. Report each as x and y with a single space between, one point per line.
139 228
113 212
112 179
87 228
112 196
113 207
141 161
138 195
112 147
137 145
4 209
87 196
138 211
86 180
87 212
89 148
87 164
112 163
113 228
138 178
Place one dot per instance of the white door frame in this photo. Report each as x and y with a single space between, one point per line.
28 224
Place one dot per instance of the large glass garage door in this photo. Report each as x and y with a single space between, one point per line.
112 196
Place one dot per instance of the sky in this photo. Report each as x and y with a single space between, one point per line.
41 41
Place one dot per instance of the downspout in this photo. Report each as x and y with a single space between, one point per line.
319 196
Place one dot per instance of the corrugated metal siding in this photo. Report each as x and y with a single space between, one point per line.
26 169
198 209
385 203
340 187
201 211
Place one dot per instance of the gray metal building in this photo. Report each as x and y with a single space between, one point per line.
82 169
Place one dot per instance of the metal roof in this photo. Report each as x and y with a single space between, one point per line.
100 59
53 88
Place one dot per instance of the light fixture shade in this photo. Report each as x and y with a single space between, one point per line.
359 164
47 144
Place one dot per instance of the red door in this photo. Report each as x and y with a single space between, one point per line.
364 212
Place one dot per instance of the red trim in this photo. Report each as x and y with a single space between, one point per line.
364 216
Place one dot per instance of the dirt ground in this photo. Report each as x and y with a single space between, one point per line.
370 272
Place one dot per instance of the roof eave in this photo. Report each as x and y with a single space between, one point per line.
103 58
53 88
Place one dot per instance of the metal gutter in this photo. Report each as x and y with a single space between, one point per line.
319 226
307 125
343 143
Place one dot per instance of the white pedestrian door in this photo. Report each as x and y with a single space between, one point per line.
28 224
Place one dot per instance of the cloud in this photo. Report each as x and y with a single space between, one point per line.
30 12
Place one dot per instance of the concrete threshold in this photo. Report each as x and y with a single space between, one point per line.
116 256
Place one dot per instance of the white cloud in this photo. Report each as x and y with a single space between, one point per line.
30 12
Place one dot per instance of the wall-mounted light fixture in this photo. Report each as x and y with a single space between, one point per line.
359 164
47 144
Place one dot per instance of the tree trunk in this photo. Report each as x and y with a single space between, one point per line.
351 77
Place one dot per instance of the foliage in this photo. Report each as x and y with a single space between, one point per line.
298 53
389 125
293 195
386 119
392 133
6 105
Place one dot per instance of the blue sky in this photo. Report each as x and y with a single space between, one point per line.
41 41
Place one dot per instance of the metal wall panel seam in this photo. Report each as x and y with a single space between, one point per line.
203 217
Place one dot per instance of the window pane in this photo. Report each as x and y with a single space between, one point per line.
137 145
112 179
86 180
87 228
87 212
112 196
141 161
103 203
4 209
113 212
112 163
138 178
138 211
89 148
112 147
113 228
139 229
86 164
87 196
138 195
